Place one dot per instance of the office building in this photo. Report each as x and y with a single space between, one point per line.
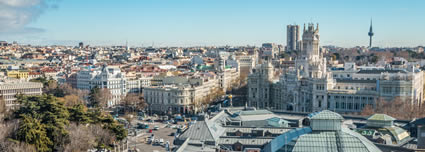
9 90
292 37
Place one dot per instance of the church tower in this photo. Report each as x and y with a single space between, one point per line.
310 42
310 63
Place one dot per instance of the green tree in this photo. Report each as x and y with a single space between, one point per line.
32 131
45 124
78 114
51 113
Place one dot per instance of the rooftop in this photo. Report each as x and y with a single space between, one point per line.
381 117
325 115
380 71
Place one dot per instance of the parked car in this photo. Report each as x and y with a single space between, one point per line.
142 126
156 142
167 145
172 134
151 139
156 128
161 141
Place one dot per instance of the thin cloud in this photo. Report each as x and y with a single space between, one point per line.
15 15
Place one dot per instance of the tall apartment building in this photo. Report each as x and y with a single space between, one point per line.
9 90
292 37
311 86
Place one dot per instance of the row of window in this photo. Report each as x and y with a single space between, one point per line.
357 88
169 101
350 106
320 87
351 97
14 91
395 90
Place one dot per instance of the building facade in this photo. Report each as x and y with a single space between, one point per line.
183 94
292 37
9 90
107 77
311 86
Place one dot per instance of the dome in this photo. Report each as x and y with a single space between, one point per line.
326 134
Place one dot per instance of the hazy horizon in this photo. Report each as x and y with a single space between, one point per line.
208 23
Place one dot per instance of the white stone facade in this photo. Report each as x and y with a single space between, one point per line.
107 77
311 86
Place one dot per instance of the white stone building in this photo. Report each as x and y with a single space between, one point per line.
311 86
183 95
108 77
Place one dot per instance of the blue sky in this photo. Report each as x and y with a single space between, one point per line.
214 22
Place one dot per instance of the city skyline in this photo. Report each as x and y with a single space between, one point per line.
217 23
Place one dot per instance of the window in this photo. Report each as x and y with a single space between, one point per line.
343 105
356 106
397 90
337 105
387 90
350 106
320 103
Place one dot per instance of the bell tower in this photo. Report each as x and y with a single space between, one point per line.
310 42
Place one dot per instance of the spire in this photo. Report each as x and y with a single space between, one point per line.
370 29
370 34
304 27
317 27
126 45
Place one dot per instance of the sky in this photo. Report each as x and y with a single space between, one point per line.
345 23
